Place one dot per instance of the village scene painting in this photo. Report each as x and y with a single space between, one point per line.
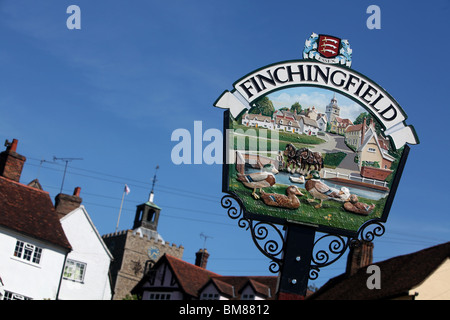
311 155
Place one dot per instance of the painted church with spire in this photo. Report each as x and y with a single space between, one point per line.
136 250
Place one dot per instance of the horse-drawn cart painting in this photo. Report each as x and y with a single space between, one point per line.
310 155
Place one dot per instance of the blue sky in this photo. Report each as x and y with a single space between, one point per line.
113 92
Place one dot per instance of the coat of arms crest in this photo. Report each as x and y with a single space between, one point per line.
328 49
328 46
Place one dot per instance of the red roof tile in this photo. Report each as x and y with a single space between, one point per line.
191 277
30 211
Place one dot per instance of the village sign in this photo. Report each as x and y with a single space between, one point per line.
332 167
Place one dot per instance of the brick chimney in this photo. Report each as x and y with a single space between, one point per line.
359 257
201 258
363 130
65 203
11 163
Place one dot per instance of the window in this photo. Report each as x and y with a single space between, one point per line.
371 149
74 270
14 296
159 296
28 252
210 296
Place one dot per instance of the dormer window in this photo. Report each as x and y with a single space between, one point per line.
209 296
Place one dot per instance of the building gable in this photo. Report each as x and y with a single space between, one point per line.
30 211
84 230
406 273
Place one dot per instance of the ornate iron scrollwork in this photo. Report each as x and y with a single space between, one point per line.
339 244
270 240
266 236
233 212
325 256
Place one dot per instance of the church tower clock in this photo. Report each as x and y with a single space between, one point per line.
139 248
332 110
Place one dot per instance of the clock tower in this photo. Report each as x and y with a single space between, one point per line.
147 215
137 249
332 109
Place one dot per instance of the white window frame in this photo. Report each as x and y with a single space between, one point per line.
14 296
74 270
27 252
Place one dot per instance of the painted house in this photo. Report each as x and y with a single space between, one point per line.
373 151
86 272
257 120
353 135
339 125
33 245
322 122
286 121
174 279
308 126
318 123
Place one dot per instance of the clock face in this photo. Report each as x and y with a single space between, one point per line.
153 253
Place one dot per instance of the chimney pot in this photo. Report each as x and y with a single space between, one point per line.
77 191
65 203
11 146
201 258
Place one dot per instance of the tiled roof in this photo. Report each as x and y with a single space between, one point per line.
191 277
310 122
30 211
263 285
399 274
223 287
356 127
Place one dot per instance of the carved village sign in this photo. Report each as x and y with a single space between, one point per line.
311 145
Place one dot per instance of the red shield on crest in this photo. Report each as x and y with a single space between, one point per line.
328 46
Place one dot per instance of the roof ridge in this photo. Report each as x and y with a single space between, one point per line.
190 264
23 185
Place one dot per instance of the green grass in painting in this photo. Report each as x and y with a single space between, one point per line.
331 214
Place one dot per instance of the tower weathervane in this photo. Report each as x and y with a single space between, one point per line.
153 185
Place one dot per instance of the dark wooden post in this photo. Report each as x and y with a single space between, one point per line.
294 273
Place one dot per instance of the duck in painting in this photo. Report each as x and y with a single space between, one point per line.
259 180
300 179
288 201
341 195
353 205
318 189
